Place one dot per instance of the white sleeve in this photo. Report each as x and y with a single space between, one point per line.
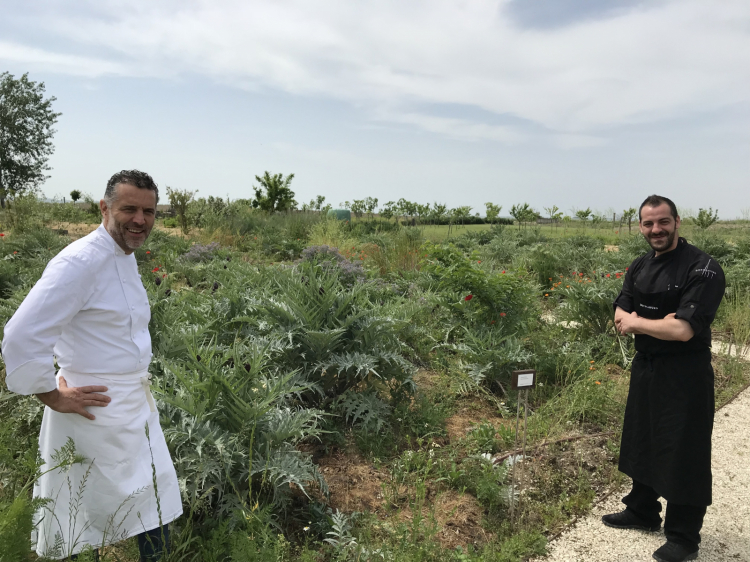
31 334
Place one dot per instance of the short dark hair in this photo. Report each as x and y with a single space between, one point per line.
655 201
130 177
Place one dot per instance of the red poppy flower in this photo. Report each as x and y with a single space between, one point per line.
163 276
2 234
502 314
479 261
15 252
503 271
148 251
155 270
607 275
626 269
468 297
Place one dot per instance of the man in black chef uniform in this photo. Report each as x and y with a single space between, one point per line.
668 300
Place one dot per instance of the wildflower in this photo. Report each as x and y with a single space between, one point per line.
607 275
492 322
305 529
546 294
2 234
479 261
15 252
590 361
626 269
502 314
164 276
597 382
468 297
503 272
148 251
155 270
592 368
567 286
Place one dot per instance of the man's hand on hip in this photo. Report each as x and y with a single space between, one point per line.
73 400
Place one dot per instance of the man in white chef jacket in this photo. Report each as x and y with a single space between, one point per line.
91 313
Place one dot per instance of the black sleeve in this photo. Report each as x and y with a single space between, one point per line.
625 299
702 295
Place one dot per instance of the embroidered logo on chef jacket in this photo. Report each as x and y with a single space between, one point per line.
705 272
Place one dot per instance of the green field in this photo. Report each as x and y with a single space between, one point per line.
333 391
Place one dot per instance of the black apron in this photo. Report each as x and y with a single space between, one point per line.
666 438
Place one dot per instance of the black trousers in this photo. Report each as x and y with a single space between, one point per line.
682 523
151 545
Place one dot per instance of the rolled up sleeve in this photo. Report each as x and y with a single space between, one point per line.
702 295
31 334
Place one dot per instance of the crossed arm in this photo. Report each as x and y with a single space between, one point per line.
668 328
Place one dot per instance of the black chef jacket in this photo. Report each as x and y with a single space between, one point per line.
666 439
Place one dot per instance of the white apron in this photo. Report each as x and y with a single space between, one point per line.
110 496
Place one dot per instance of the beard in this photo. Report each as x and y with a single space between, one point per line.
662 242
121 233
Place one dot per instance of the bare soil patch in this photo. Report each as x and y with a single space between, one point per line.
356 485
469 413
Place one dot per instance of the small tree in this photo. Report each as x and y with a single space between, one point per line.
493 211
179 199
75 195
554 213
358 208
371 203
389 211
26 121
274 193
706 217
523 213
438 212
583 215
628 215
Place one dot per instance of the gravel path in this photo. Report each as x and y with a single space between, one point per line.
726 529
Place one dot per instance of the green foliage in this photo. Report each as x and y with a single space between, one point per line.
274 193
706 217
587 300
476 295
180 199
15 529
75 195
364 409
26 130
523 213
583 215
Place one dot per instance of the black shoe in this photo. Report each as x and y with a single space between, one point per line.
675 552
628 520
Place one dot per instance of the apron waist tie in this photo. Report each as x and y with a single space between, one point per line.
146 384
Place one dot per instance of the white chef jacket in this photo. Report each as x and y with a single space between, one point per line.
89 310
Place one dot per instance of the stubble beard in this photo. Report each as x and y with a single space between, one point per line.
120 235
662 244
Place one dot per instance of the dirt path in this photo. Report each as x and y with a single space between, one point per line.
726 530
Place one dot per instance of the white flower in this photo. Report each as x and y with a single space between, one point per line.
305 529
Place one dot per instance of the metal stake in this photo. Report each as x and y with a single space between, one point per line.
513 469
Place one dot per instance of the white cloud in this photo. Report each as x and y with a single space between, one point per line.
69 64
576 82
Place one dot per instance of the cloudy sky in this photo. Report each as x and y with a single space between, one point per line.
578 103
